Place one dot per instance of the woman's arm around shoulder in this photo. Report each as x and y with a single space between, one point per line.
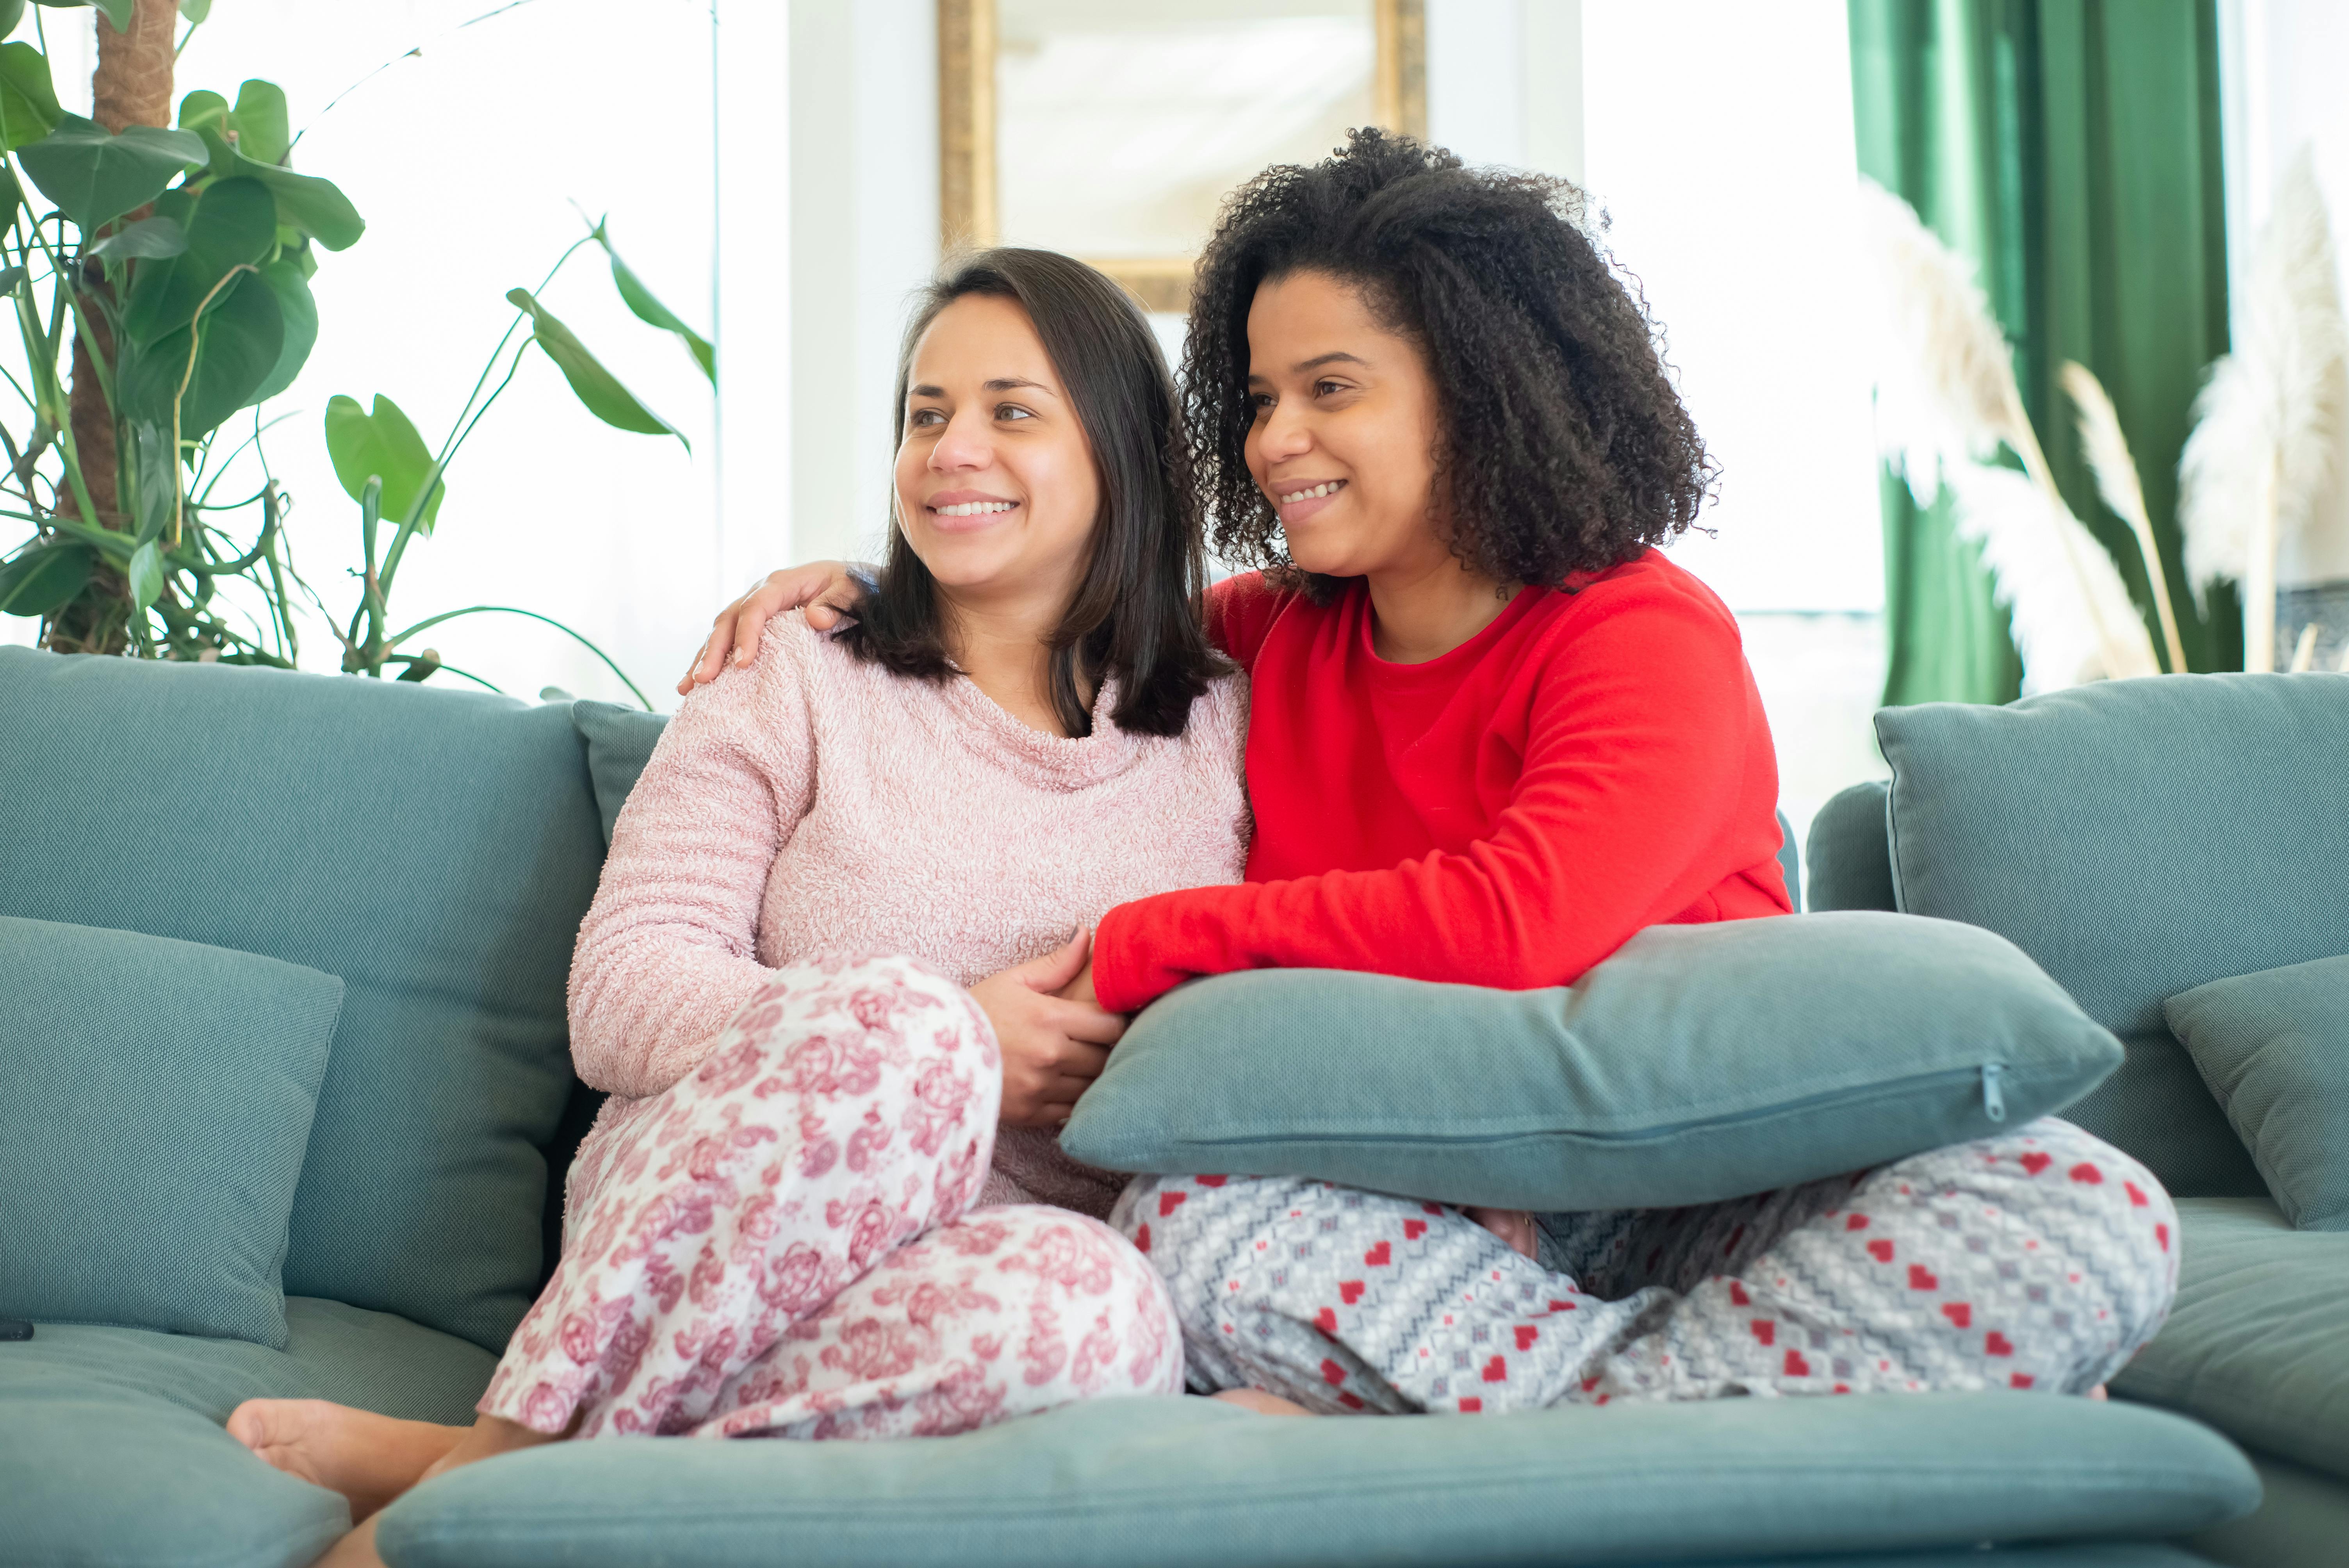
1646 762
668 950
1241 610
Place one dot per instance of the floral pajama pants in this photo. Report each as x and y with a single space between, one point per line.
2040 1259
782 1243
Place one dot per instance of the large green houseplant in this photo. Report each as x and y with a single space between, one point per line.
160 299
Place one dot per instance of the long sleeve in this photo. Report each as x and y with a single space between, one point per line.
668 950
1636 798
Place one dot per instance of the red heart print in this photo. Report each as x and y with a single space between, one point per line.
1350 1290
1326 1320
1211 1180
1764 1330
1433 1207
1855 1222
1843 1387
1958 1312
1142 1240
2035 1162
1496 1370
2020 1380
1561 1306
1737 1296
1588 1384
1880 1249
1332 1372
2137 1200
1998 1344
1379 1256
1922 1278
1796 1366
2161 1234
1413 1229
1352 1401
2083 1172
1169 1201
1526 1334
1471 1405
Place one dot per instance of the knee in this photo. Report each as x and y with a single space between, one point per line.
1105 1300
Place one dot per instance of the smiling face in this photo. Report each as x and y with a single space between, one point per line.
997 490
1346 430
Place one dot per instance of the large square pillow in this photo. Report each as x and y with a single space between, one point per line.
2275 1048
158 1102
2138 838
1699 1062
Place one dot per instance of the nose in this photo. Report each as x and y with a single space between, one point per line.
1283 432
964 444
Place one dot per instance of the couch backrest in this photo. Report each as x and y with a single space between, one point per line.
436 849
2137 839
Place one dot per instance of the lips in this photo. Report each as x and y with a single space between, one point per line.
1297 501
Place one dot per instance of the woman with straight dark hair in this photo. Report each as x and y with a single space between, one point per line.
822 965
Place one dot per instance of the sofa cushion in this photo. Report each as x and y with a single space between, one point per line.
1699 1062
112 1442
434 848
2275 1048
2138 838
2301 1522
1171 1480
2257 1343
1850 859
620 741
159 1098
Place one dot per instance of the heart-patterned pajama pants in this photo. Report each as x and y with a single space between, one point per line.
2039 1260
782 1243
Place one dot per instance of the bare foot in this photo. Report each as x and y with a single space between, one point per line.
369 1459
1262 1403
1514 1226
2098 1392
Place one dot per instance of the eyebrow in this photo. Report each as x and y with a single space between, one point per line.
1317 361
1000 384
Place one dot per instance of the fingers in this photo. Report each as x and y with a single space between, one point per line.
1083 1022
1060 967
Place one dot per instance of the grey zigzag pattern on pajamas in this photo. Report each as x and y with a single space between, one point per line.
2037 1260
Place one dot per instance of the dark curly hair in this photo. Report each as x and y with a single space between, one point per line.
1137 612
1563 447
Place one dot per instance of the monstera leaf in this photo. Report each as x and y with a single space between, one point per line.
94 178
382 446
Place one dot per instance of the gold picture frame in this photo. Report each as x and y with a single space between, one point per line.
968 185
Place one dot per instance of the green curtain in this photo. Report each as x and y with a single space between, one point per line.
2070 147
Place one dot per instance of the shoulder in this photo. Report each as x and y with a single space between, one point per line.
1219 715
1645 608
1241 611
793 662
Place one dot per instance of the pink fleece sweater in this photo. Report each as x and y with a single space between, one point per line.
812 806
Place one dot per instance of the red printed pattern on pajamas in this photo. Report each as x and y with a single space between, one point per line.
2039 1260
740 1253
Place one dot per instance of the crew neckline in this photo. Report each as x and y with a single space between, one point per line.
1451 658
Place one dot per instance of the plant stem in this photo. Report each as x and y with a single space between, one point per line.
532 615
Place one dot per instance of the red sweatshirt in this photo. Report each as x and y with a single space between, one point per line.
1593 762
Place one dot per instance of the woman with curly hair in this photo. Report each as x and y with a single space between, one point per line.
1493 734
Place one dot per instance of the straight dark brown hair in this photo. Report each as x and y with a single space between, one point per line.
1136 614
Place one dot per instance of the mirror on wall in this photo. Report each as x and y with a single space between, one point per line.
1113 132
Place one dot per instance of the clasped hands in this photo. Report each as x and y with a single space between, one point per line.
1055 1037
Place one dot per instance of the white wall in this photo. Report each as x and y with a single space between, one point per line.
2283 80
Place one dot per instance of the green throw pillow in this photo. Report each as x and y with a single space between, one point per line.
2275 1048
1699 1062
157 1104
620 741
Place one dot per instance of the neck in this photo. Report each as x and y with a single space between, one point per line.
1425 610
1004 647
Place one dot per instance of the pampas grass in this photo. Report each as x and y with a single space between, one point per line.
2270 420
2116 480
1947 399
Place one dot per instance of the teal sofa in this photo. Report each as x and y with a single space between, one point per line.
2139 840
435 851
